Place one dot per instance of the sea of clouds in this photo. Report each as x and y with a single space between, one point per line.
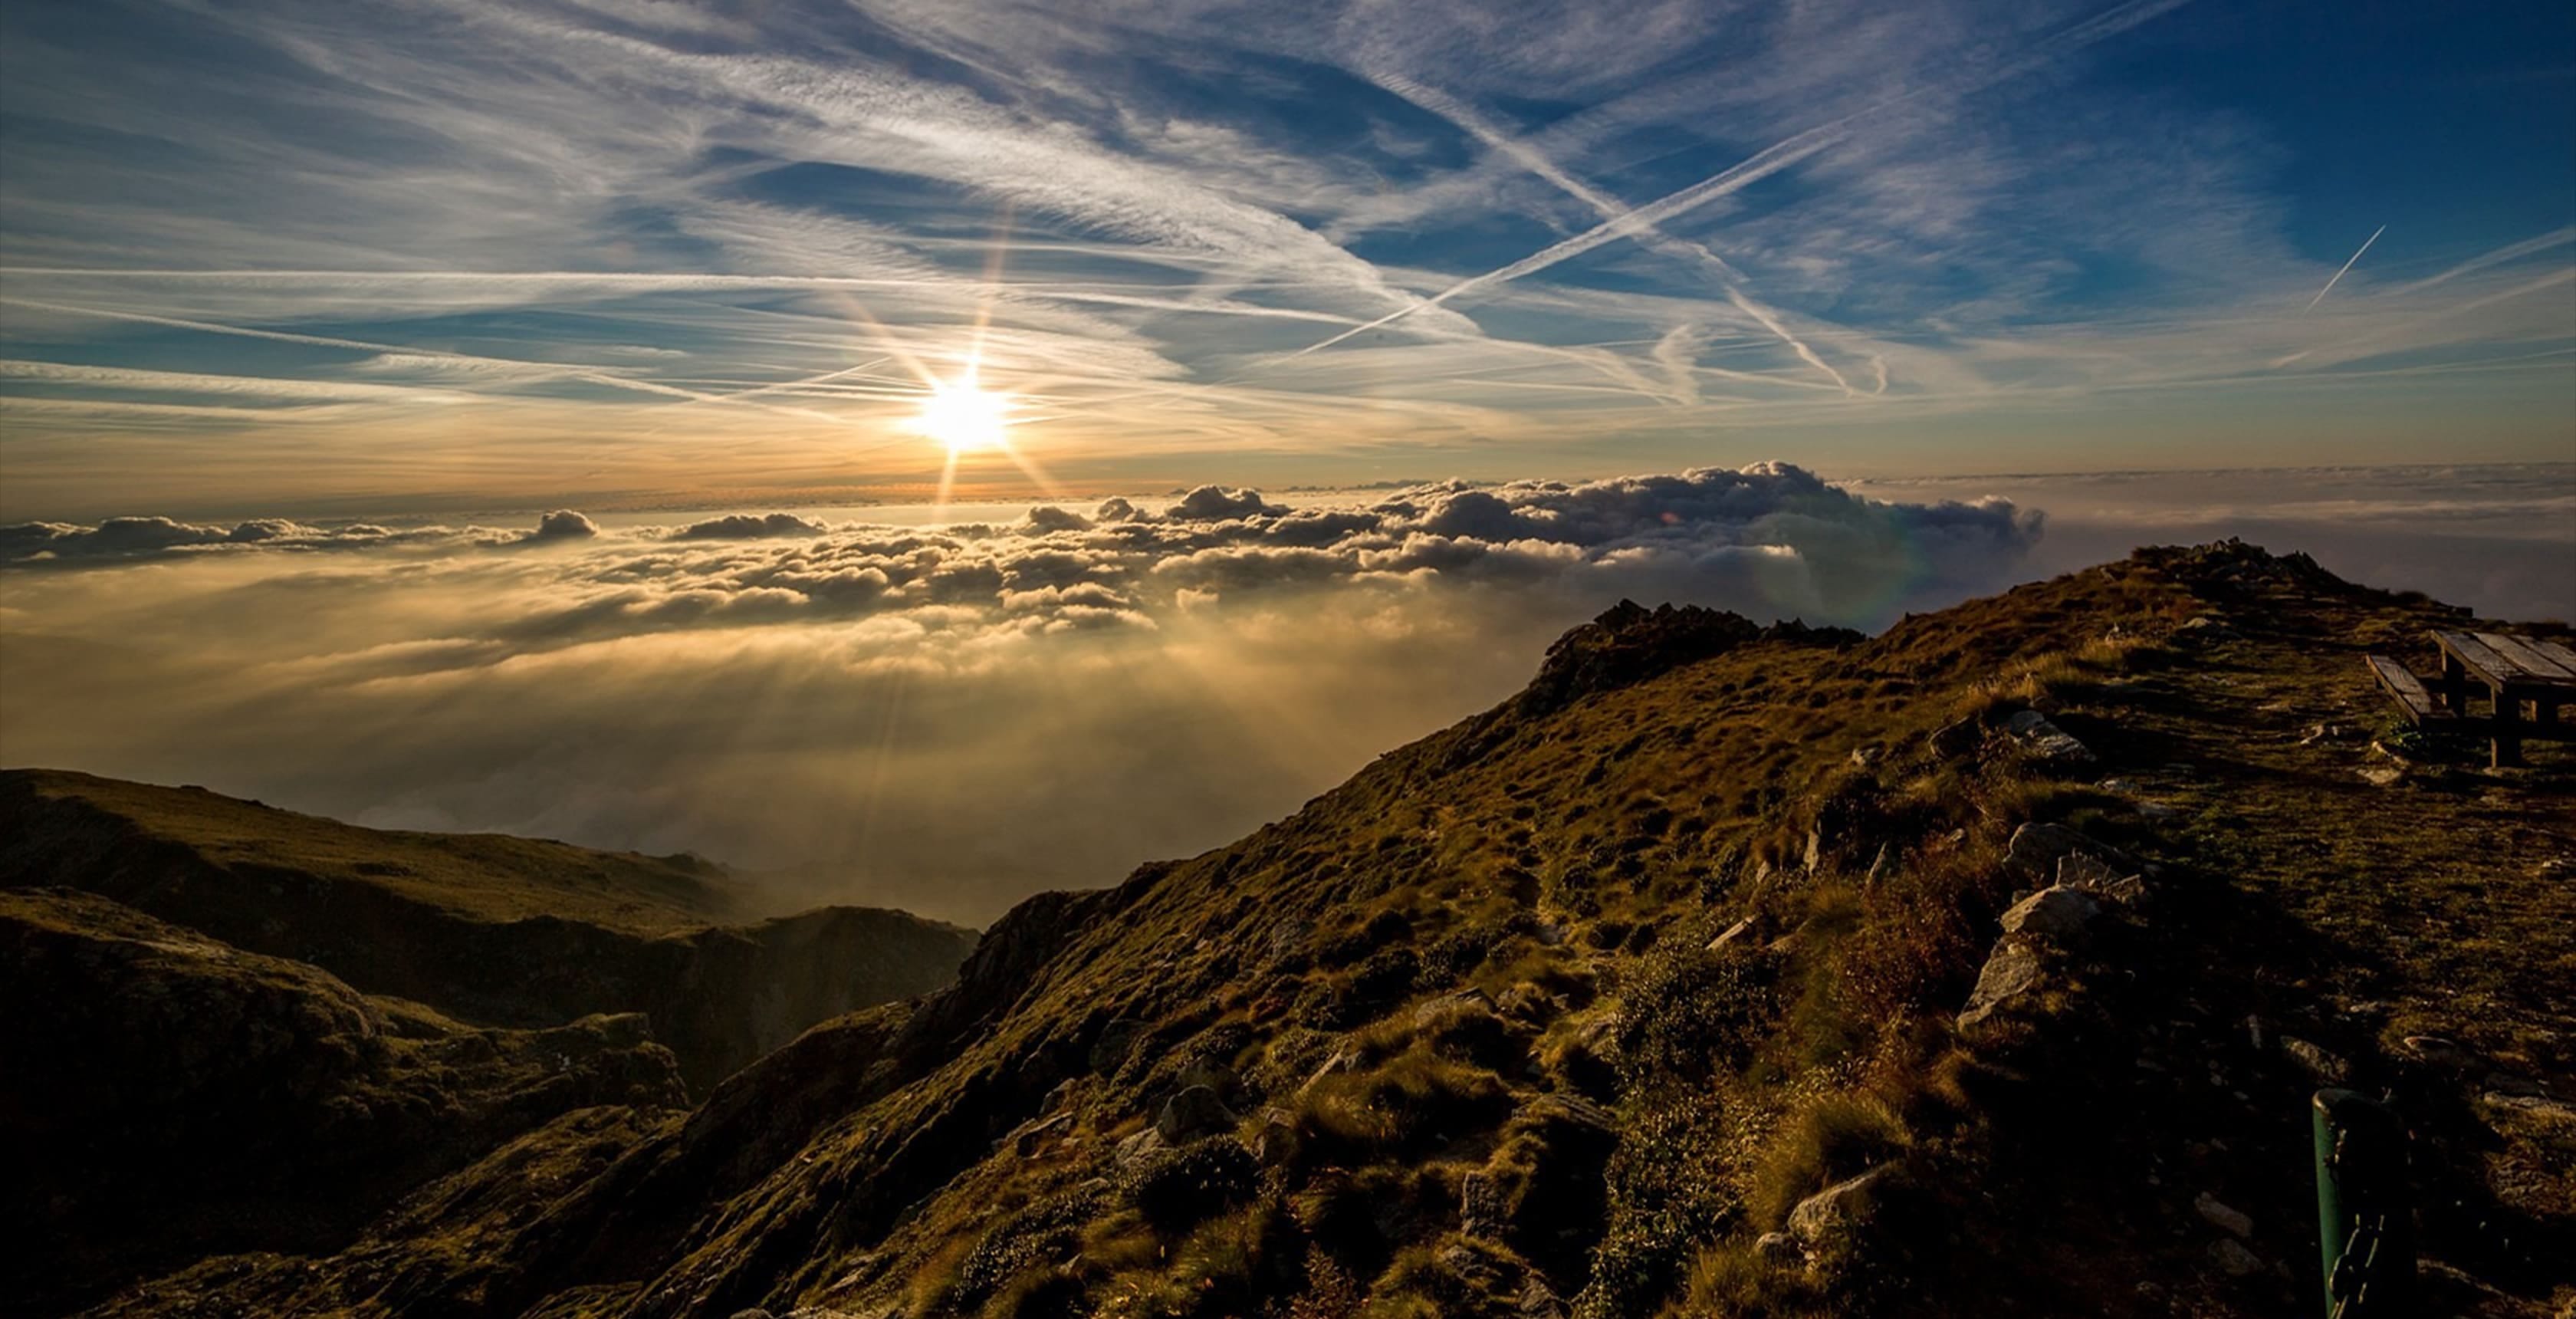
949 717
943 718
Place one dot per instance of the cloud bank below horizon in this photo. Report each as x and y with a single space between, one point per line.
941 718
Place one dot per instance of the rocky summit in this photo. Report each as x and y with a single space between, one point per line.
1983 966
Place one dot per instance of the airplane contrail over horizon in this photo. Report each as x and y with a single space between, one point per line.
2347 265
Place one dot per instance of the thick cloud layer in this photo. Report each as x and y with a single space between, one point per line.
943 717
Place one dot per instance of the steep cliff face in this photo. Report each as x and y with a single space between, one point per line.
497 930
165 1096
1730 971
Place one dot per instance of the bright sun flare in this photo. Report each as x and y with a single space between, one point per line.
964 416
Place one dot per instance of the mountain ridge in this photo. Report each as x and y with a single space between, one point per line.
1644 996
498 930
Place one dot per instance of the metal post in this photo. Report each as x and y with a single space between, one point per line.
2365 1214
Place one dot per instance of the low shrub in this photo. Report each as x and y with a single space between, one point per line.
1181 1188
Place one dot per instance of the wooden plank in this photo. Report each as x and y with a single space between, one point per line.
2483 663
2409 691
2558 654
2527 662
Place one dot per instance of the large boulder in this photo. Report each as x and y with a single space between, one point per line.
1837 1209
2046 741
2056 912
2013 972
1195 1112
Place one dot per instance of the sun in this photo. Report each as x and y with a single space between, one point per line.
965 416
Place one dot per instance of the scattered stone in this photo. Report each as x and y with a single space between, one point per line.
2047 741
1538 1302
1336 1063
2322 1067
2011 972
2156 810
1863 757
2231 1221
1277 1138
2036 849
1733 933
2383 776
1956 738
2056 912
1035 1136
1835 1208
1548 933
1210 1073
2121 786
2324 733
2436 1051
2202 627
1779 1249
1195 1112
1815 848
1880 866
1141 1146
2233 1259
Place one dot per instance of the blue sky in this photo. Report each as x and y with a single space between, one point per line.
264 258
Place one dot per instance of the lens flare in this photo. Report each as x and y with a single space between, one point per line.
965 416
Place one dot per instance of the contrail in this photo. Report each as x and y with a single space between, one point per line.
1763 164
2338 275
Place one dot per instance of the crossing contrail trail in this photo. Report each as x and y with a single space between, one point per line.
2338 275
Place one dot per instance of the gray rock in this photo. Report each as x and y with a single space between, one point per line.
2057 912
1956 738
2322 1067
2230 1221
1035 1136
2383 776
2012 972
1195 1112
1733 933
2233 1259
1143 1145
1836 1208
2436 1051
1538 1302
1334 1065
2046 740
2036 849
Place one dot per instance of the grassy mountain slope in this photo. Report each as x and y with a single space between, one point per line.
152 1076
1643 994
498 930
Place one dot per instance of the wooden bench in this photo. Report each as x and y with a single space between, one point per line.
2402 684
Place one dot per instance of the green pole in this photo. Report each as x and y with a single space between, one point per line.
2365 1217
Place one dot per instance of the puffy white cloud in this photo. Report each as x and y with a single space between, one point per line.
564 524
748 526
